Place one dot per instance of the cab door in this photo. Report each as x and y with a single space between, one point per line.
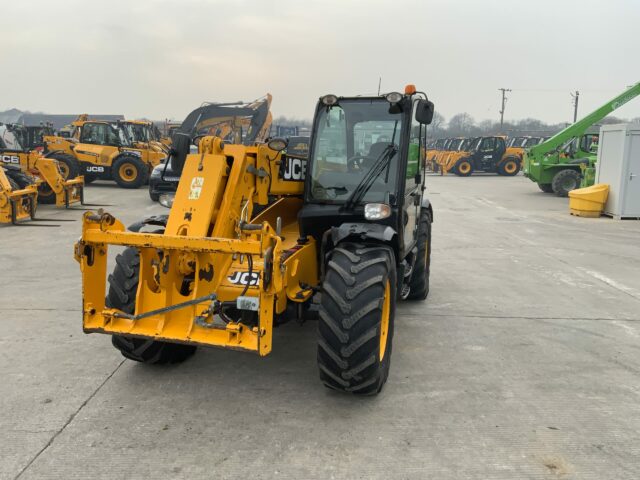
413 181
486 156
94 147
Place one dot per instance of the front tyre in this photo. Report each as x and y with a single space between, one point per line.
357 311
509 167
564 181
463 168
129 172
69 166
419 283
123 284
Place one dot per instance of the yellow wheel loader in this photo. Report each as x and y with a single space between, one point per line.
255 237
60 182
106 152
18 195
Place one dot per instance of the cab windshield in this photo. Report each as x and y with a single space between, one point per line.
351 137
137 132
464 146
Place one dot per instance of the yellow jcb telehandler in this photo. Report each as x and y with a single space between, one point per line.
105 151
350 227
59 184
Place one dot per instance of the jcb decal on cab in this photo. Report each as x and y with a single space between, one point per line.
243 278
293 169
95 169
10 159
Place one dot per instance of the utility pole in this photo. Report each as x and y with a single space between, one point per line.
575 97
504 101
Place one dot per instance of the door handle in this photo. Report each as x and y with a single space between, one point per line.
632 175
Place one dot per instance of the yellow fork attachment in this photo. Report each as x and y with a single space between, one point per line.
210 256
68 191
16 205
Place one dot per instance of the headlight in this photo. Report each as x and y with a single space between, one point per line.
166 199
277 144
393 97
376 211
329 100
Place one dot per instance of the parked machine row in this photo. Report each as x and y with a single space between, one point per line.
464 156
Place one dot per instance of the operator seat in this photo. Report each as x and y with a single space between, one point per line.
376 149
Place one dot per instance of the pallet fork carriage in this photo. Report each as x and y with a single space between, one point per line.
253 235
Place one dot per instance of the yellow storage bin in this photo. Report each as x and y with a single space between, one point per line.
589 201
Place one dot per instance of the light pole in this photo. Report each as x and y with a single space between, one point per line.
504 101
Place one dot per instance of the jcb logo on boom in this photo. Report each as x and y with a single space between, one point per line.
14 159
95 169
243 278
294 169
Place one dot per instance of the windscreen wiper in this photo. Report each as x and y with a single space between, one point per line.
381 163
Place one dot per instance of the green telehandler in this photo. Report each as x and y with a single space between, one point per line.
567 160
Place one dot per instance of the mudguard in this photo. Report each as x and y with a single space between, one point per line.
362 231
426 203
156 220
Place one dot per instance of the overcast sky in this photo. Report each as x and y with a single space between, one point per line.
160 59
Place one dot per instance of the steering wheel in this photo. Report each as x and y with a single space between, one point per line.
357 162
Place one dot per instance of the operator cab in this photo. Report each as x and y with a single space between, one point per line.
103 133
365 165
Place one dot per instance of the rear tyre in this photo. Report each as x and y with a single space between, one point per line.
123 284
419 283
21 179
129 172
69 166
12 183
509 167
46 195
154 196
564 181
357 311
463 168
545 187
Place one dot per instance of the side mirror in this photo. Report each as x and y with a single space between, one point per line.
424 112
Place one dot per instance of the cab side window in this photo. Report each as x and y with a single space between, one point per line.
111 136
93 133
488 144
416 155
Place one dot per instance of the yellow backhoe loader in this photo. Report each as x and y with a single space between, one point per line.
351 227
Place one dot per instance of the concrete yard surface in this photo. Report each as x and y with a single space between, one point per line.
524 363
